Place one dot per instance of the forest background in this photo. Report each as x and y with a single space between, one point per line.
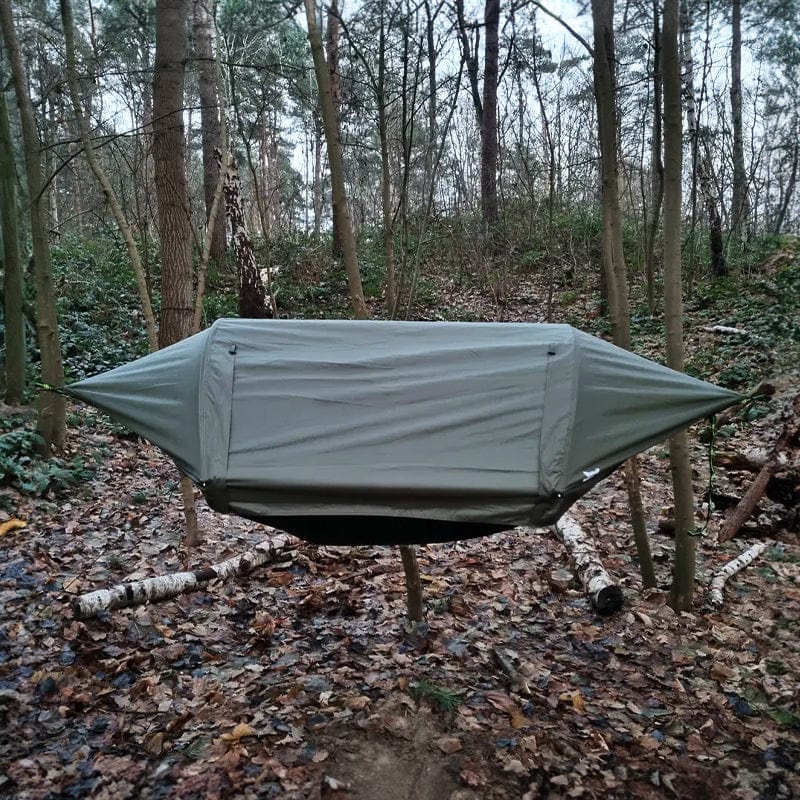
631 170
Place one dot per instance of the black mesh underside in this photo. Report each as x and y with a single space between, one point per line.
357 530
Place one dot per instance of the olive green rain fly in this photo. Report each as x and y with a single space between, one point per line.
354 432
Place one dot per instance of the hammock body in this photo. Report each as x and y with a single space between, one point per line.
352 432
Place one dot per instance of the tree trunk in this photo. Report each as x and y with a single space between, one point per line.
386 182
332 59
656 162
172 193
788 193
614 267
102 178
740 211
416 610
318 136
683 577
172 196
51 424
335 162
210 123
701 160
605 91
252 297
488 120
12 267
215 211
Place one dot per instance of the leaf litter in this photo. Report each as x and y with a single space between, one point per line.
304 681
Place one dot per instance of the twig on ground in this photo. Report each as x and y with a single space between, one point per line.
518 680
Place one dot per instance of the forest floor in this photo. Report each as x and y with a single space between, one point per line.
304 680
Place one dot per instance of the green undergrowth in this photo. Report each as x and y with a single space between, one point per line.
22 469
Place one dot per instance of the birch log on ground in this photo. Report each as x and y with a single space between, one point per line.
605 595
715 595
163 587
727 330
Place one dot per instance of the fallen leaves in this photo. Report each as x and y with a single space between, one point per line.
288 675
13 524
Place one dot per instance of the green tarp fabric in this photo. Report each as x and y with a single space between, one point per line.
390 432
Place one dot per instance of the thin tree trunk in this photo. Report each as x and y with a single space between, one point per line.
488 120
332 59
614 267
656 162
12 267
102 178
210 122
172 196
338 191
740 211
214 212
318 136
416 610
788 193
682 591
51 424
386 184
605 96
701 160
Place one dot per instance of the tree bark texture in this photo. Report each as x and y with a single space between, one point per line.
335 161
172 195
252 297
614 267
682 591
715 594
214 213
51 423
416 612
386 179
102 177
12 267
333 33
604 594
210 122
605 91
488 120
164 587
739 211
656 161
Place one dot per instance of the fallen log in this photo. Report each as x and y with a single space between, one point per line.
605 595
163 587
775 461
727 330
751 460
715 595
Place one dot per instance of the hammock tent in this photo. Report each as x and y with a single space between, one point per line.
355 432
